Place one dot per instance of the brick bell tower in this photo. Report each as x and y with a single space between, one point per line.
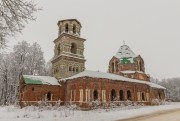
68 57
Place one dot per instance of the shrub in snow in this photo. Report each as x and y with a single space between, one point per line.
74 107
25 115
106 107
96 104
155 102
122 105
58 103
67 112
129 104
113 105
158 102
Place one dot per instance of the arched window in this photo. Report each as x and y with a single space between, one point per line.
95 95
116 66
49 96
73 48
58 49
74 70
112 67
70 68
59 30
159 94
66 28
121 94
128 95
77 69
113 95
143 97
74 28
140 64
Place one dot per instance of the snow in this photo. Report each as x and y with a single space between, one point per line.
132 72
13 113
44 79
125 51
96 74
72 56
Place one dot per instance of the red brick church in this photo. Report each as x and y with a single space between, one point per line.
126 79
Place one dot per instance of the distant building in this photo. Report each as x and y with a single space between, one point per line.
126 79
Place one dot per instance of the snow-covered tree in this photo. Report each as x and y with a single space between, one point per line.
14 14
172 87
25 59
48 68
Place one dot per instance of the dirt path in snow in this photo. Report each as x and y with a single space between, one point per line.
171 115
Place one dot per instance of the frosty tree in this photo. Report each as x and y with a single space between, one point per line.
14 14
25 59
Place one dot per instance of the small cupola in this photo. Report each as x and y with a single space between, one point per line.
69 26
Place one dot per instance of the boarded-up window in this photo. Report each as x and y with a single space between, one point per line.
71 95
74 95
87 95
147 96
138 96
81 95
104 96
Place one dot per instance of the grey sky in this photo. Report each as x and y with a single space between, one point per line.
150 27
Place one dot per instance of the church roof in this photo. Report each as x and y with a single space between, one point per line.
69 20
31 79
125 52
96 74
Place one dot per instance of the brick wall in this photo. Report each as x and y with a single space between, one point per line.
86 83
33 93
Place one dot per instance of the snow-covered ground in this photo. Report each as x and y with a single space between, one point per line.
13 113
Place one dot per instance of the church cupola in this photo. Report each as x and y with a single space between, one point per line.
69 26
126 60
128 64
125 54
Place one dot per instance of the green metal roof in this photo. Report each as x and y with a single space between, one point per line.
32 81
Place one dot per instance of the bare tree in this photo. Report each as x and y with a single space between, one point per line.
14 14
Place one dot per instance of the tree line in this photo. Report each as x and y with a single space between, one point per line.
172 86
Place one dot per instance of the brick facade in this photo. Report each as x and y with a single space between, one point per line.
33 93
107 86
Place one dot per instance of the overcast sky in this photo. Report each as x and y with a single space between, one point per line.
150 28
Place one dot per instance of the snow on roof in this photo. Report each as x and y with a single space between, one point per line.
96 74
31 79
125 51
129 72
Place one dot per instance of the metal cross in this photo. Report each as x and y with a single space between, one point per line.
124 42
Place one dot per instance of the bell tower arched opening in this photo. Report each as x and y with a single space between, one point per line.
74 29
73 48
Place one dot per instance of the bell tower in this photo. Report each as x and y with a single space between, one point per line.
68 57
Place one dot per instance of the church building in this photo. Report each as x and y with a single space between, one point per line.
71 83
